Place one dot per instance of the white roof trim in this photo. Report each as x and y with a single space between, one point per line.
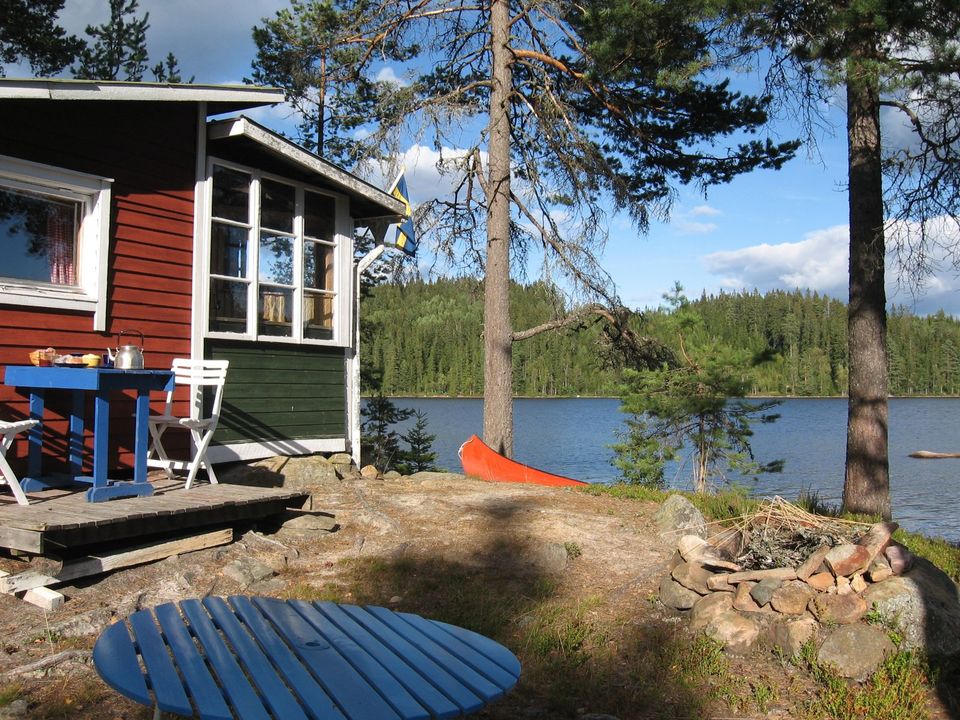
242 126
45 89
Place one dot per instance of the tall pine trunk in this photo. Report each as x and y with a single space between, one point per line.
866 487
497 329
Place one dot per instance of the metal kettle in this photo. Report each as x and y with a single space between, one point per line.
127 357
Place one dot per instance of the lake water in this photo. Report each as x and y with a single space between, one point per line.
572 437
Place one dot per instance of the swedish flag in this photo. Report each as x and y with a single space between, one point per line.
406 234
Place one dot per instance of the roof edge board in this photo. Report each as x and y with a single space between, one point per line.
243 126
51 89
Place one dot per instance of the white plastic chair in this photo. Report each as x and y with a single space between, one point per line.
8 431
198 374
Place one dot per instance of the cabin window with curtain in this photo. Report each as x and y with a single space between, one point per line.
273 250
54 227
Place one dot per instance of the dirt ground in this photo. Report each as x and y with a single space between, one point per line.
408 534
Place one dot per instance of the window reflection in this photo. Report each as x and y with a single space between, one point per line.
38 237
228 306
231 194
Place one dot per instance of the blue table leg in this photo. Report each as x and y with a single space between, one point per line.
32 483
75 441
103 488
140 446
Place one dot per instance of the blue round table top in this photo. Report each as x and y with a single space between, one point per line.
261 658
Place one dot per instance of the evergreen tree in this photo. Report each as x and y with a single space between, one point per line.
420 456
380 442
117 49
584 125
903 56
29 31
696 407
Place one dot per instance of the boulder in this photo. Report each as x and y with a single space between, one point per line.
763 590
678 516
692 576
821 581
736 632
676 596
309 471
247 571
729 542
790 634
855 651
695 549
718 582
879 569
847 559
838 609
709 607
742 599
549 557
792 598
369 472
900 559
925 603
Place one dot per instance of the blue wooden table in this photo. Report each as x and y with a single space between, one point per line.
102 382
257 658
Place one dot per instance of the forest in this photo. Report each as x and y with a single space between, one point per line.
426 338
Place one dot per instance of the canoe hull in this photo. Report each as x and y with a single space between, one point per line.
479 460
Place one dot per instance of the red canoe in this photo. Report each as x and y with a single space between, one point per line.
479 460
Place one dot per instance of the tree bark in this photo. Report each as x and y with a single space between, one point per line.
497 329
866 487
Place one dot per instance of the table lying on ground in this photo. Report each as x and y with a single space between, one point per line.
257 657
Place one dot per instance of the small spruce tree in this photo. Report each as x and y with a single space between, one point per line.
421 456
380 442
695 406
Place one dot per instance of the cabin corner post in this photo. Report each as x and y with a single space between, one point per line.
353 362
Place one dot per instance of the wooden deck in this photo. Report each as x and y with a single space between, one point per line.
57 521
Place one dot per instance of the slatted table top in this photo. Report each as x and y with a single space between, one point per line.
257 657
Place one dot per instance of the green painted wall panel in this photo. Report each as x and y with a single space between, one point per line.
281 392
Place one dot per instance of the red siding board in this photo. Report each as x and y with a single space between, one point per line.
148 149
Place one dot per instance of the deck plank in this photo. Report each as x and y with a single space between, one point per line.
68 520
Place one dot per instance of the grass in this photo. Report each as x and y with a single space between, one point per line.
896 691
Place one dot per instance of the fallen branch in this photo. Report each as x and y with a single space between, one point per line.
47 662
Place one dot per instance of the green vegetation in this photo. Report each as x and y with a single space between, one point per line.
695 404
896 691
428 342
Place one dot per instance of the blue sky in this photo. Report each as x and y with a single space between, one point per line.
770 229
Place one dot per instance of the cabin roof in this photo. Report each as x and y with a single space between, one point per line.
272 151
219 98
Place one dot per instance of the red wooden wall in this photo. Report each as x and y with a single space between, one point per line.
149 149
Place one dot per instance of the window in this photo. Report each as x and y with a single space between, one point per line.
54 229
273 258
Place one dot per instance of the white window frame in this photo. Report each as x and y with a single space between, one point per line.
342 240
93 243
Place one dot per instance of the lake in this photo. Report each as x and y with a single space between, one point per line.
571 436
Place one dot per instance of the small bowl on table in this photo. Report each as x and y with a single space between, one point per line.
42 358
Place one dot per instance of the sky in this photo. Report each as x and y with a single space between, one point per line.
767 230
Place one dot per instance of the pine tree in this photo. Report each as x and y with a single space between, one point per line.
420 456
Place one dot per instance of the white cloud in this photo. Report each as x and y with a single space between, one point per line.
705 211
388 75
820 262
689 227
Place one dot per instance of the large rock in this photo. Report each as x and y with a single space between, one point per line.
838 609
877 538
847 559
899 558
735 631
309 471
813 562
678 516
707 608
790 634
247 571
695 549
692 576
855 651
676 596
763 591
925 603
792 598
